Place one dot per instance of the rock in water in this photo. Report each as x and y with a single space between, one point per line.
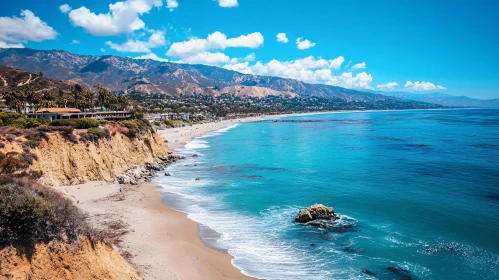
315 212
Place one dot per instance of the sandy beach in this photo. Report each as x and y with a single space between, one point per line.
160 242
179 136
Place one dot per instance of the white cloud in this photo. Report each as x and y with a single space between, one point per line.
151 56
422 86
361 65
249 57
214 41
171 4
282 38
304 44
242 67
9 45
75 42
102 50
65 8
307 69
228 3
208 58
122 18
388 86
14 31
157 39
253 41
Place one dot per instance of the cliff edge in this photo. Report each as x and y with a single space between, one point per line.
58 260
75 157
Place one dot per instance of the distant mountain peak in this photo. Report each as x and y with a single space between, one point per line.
127 74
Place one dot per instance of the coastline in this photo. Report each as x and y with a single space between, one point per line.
160 242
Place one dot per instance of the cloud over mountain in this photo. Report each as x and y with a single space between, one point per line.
15 31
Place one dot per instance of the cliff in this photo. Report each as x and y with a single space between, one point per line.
71 161
57 260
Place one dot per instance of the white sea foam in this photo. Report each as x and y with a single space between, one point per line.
196 144
220 131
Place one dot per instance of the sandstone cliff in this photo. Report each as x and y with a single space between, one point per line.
65 162
57 260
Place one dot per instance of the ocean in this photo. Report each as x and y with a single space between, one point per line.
417 193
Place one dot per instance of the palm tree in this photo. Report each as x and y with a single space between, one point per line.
78 89
104 96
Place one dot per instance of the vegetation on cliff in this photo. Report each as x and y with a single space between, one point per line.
43 235
32 213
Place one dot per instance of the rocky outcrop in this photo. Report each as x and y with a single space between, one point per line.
146 172
57 260
316 212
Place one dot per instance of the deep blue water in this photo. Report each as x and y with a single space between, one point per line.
416 190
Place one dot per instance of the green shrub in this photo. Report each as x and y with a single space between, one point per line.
129 124
169 123
8 117
33 214
99 133
86 123
19 123
136 127
66 122
32 123
139 115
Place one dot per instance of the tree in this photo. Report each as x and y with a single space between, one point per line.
104 97
78 89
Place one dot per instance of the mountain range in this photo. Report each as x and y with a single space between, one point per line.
445 99
154 77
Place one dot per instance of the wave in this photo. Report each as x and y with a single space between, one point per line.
197 144
220 131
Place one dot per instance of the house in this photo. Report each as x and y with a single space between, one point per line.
53 113
185 116
73 113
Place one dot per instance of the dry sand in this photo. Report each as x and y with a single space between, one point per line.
161 243
179 136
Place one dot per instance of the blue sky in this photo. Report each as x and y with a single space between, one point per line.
418 46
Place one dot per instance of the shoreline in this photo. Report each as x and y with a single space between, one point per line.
176 138
161 243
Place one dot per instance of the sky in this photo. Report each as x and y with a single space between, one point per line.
398 45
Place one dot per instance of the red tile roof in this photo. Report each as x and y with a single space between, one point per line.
58 110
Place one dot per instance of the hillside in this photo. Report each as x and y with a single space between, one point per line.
255 91
446 99
13 78
149 76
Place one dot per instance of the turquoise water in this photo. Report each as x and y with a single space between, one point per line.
416 190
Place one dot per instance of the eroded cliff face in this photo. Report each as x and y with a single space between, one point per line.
57 260
66 163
